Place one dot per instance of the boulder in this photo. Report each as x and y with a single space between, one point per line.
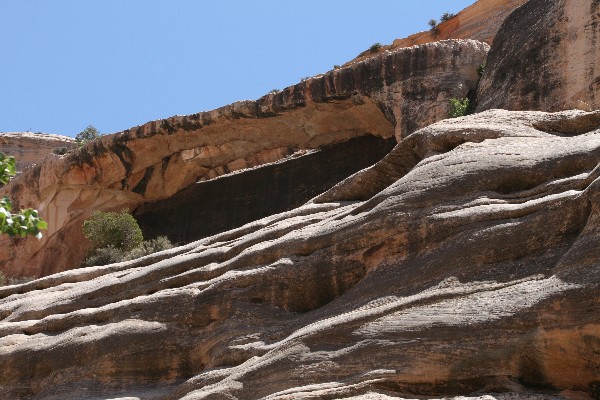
387 96
470 265
545 57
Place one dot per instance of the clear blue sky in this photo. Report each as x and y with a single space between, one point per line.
115 64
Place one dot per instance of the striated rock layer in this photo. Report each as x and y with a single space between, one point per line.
31 148
217 205
545 57
389 95
468 262
480 21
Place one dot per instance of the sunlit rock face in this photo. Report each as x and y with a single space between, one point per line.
464 261
31 148
386 97
545 57
480 21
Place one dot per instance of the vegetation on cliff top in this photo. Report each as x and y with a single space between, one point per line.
87 135
433 23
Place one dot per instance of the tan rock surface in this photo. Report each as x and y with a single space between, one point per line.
31 148
392 94
480 21
472 266
545 57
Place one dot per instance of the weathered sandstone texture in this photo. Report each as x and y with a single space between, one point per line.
480 21
545 57
389 95
31 148
469 264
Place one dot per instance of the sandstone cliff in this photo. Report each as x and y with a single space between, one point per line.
387 96
31 148
545 57
480 21
217 205
465 261
472 265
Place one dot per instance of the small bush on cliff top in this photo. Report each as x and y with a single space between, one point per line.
375 47
447 16
433 23
88 134
120 230
60 151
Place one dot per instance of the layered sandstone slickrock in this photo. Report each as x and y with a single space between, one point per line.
390 95
470 264
217 205
545 57
31 148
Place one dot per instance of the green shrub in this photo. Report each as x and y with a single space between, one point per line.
459 107
119 230
337 66
88 134
103 256
481 69
26 221
375 47
149 247
2 279
446 16
433 24
111 254
7 168
60 151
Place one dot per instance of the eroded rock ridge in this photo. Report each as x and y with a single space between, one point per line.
472 267
387 96
31 148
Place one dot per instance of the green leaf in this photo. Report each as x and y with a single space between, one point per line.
7 168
